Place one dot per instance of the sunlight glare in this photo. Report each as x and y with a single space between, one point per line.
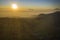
14 6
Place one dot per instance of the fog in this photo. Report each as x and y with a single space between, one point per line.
24 13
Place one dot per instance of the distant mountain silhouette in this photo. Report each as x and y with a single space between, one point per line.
56 9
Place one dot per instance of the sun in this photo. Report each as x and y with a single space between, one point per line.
14 6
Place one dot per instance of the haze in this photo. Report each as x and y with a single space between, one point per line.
25 7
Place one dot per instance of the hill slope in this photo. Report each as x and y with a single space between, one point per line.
42 27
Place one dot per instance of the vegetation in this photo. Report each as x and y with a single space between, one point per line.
42 27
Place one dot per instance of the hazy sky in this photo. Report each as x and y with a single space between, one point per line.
29 3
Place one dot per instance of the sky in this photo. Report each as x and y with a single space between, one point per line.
27 4
30 3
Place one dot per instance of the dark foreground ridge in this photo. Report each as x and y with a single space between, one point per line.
43 27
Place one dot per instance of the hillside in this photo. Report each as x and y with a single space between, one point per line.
42 27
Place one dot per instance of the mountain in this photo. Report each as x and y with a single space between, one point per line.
56 9
42 27
50 23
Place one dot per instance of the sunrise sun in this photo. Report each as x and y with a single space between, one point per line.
14 6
